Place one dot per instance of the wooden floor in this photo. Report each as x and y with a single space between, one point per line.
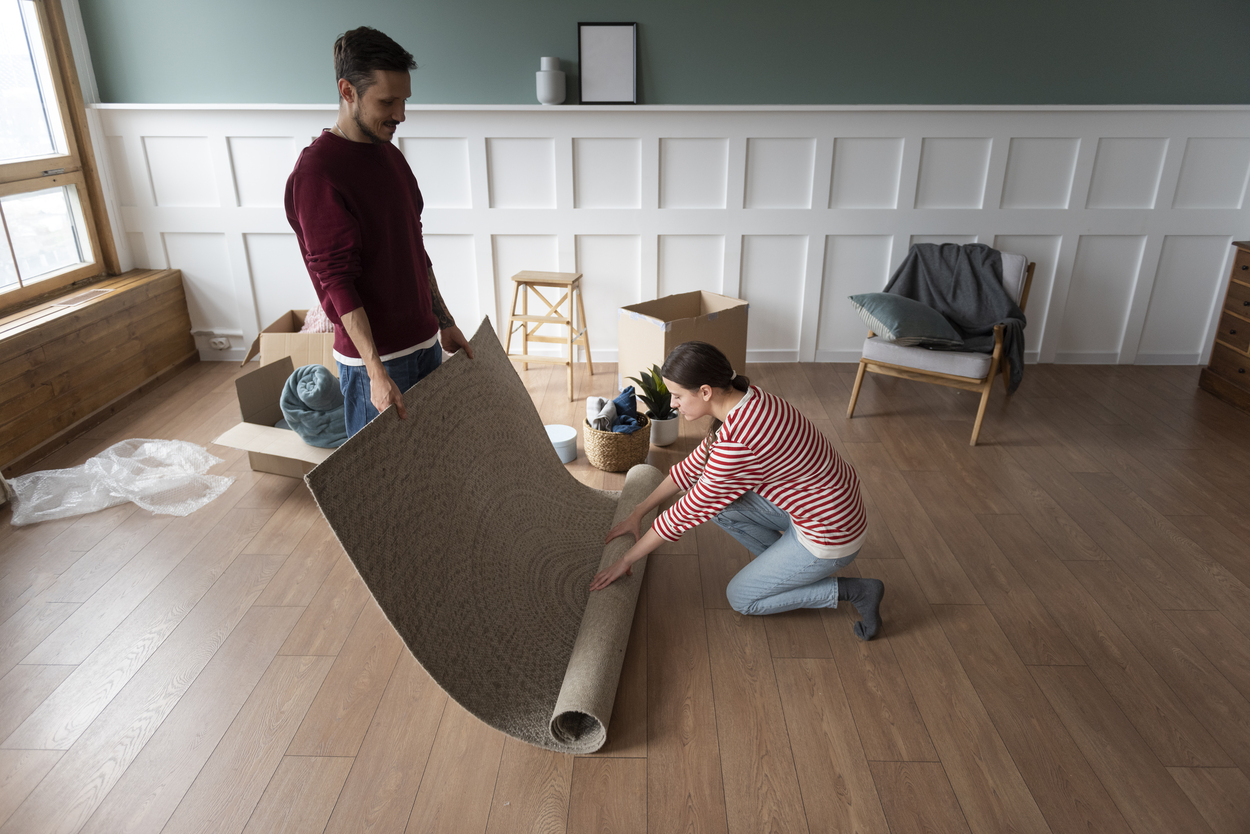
1066 643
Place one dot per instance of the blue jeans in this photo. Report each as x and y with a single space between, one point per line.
407 371
784 575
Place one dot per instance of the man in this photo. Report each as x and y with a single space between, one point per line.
356 210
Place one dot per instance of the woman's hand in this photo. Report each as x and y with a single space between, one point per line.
632 524
606 577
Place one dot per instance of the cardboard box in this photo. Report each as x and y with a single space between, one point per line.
282 338
270 449
648 331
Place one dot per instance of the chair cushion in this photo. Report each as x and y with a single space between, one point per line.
953 362
903 321
1014 267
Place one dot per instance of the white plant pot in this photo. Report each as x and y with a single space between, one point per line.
663 432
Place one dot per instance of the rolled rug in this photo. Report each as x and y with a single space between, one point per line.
479 546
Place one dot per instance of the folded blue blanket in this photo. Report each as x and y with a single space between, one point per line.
312 404
626 412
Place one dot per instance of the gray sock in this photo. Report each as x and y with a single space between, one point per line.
865 595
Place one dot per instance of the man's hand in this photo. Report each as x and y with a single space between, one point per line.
453 340
383 393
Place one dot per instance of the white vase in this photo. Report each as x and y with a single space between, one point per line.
663 432
550 82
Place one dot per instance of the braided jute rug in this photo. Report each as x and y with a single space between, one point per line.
479 546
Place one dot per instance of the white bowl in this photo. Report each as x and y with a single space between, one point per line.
564 439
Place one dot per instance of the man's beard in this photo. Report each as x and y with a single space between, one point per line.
373 137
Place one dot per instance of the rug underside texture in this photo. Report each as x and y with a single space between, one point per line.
479 546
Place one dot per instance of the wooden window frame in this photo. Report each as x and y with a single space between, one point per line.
75 167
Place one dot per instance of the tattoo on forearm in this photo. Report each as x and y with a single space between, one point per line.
444 317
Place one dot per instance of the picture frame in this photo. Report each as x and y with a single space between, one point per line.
607 60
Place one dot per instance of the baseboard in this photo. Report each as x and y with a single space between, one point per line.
1092 358
775 356
838 356
1168 359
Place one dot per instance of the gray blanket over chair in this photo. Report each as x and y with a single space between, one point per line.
965 284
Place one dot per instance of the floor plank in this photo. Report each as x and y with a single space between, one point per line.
332 614
457 790
991 791
1144 791
300 796
684 787
837 786
761 787
339 717
917 798
531 790
227 788
383 783
1162 718
1221 795
1061 781
608 796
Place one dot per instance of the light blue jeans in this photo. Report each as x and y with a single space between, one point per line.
784 575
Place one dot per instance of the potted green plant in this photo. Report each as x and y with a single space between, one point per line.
654 394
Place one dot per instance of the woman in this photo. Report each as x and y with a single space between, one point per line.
769 478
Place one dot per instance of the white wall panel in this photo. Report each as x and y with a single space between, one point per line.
517 253
1103 278
1213 174
1127 173
691 262
455 269
139 250
522 173
441 166
853 264
611 267
1043 251
694 173
1191 271
773 267
607 173
280 280
120 167
181 171
261 165
953 173
206 277
866 173
779 173
951 238
1040 172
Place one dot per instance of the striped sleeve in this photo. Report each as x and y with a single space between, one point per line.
730 472
685 473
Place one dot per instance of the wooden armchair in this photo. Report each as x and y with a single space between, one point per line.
954 369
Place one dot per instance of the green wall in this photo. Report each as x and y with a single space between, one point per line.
692 51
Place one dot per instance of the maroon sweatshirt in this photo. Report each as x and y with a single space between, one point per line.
356 210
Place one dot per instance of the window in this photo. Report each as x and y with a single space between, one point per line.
48 234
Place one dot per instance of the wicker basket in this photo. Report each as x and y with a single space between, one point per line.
614 452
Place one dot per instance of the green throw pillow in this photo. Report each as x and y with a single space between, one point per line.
904 321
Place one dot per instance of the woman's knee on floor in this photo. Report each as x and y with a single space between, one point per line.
741 599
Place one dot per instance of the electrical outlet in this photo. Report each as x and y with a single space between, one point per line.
219 343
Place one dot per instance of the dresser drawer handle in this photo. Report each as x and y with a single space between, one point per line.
1243 266
1241 370
1232 333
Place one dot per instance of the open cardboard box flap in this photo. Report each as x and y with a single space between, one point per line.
283 338
269 449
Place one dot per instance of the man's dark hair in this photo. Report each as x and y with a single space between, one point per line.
361 51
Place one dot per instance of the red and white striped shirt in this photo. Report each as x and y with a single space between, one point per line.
768 447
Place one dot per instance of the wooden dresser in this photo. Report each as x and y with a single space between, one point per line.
1228 375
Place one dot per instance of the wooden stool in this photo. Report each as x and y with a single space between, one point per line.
571 283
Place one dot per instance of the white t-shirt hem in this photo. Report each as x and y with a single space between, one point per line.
399 354
831 551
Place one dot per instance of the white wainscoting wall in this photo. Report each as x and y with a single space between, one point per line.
1128 211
